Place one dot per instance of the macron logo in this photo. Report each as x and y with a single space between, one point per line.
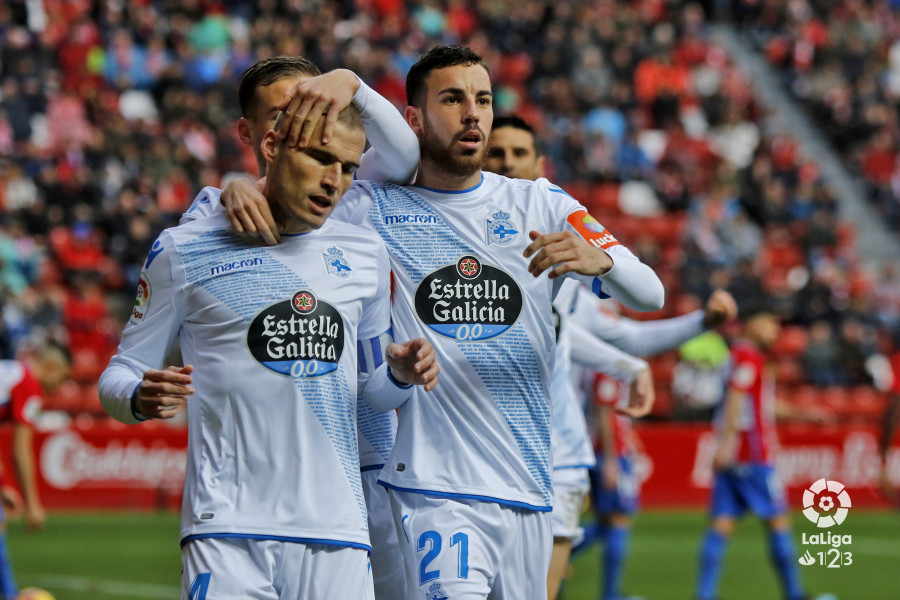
234 266
415 218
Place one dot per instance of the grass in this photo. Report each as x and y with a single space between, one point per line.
136 556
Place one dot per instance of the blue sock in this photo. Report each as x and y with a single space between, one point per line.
614 561
592 533
781 548
7 583
712 551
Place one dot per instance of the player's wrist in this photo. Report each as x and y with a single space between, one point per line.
396 380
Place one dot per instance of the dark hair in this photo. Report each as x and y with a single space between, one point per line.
266 72
439 57
514 121
351 117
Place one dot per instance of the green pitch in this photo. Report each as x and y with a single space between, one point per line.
136 556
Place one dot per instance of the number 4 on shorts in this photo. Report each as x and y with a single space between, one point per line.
199 586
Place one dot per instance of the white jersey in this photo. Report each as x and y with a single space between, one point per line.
272 333
460 279
375 429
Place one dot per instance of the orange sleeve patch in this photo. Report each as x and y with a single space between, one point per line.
591 230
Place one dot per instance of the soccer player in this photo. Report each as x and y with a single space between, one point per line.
514 152
745 477
297 85
469 475
273 504
23 384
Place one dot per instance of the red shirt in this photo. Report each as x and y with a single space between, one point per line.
749 377
20 393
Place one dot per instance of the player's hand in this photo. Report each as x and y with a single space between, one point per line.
642 395
248 210
35 517
306 102
719 308
12 501
723 458
413 362
162 393
610 472
564 252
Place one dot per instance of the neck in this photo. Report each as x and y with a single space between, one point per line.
438 177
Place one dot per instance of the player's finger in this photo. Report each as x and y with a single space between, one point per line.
431 384
263 225
312 120
330 121
538 242
300 120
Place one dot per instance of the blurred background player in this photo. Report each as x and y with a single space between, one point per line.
393 156
744 462
514 152
23 384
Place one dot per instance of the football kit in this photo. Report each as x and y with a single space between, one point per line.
272 333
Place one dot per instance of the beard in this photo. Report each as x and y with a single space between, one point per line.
448 156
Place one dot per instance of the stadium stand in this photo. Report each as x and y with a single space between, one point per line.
114 114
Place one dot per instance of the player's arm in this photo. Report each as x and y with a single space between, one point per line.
584 249
386 383
589 351
394 153
135 387
726 448
23 458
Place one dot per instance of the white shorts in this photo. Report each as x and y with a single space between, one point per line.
570 488
238 568
387 566
469 549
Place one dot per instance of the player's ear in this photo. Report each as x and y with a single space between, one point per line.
414 119
269 146
244 132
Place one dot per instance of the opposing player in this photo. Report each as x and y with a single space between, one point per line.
273 504
478 524
23 384
296 84
745 477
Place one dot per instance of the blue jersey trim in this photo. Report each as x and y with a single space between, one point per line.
500 501
584 466
297 234
597 288
475 187
371 468
402 386
559 191
274 538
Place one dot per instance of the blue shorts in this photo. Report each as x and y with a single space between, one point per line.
753 487
626 495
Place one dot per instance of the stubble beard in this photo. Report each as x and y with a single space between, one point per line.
446 157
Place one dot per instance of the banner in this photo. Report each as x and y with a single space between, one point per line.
110 465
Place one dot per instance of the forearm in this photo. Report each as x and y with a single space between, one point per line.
381 391
647 338
394 153
117 387
23 454
589 351
629 281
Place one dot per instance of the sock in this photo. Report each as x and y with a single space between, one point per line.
712 551
781 548
592 533
7 583
614 561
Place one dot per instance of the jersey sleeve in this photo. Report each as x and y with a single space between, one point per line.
26 398
629 281
394 152
205 203
158 312
589 351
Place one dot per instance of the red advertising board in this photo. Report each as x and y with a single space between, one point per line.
110 465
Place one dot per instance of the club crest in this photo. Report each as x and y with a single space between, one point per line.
436 592
500 229
335 263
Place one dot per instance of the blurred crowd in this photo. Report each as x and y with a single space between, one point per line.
114 113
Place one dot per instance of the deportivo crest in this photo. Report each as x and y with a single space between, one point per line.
500 229
335 263
299 337
468 300
141 300
436 592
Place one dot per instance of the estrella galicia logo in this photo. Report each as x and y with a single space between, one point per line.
154 252
335 263
500 229
468 301
300 337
